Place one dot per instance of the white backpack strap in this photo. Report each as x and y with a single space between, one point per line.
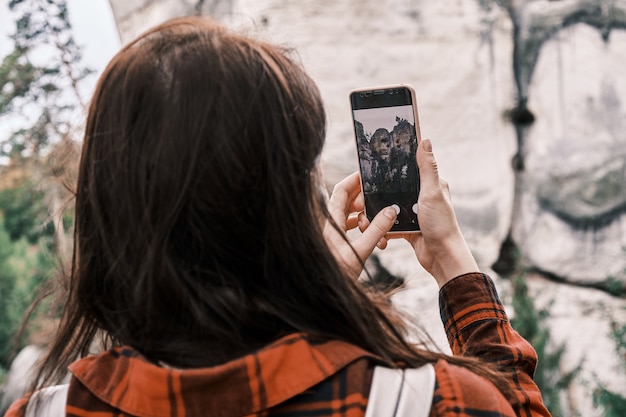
401 392
417 395
48 402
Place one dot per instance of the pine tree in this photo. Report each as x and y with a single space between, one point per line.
612 403
530 323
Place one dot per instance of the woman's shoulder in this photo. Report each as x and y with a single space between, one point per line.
459 390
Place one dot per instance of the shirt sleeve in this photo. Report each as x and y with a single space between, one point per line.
476 325
18 408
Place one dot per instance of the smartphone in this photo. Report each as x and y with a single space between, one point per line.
386 129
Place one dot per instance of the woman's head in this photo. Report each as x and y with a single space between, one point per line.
195 178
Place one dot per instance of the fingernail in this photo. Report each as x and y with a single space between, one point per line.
392 212
427 144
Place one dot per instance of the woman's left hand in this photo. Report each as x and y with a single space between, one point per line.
346 207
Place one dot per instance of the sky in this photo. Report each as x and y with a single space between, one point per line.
385 117
94 30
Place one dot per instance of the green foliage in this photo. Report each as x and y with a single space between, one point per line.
25 213
7 304
615 287
26 260
619 336
23 267
613 404
16 76
530 323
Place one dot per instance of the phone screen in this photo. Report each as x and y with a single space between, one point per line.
386 132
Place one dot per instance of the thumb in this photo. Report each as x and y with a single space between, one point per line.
429 173
376 230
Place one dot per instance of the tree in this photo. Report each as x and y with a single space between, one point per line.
22 269
40 80
530 323
40 77
40 99
613 404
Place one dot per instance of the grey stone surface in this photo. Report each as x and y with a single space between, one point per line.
135 16
458 59
573 192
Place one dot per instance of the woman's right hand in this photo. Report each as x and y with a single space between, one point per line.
440 247
345 201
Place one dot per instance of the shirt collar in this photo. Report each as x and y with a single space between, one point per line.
124 379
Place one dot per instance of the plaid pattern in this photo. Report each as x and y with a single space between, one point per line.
299 377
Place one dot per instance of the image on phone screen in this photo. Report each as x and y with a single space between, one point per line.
386 141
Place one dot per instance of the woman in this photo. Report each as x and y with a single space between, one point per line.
218 274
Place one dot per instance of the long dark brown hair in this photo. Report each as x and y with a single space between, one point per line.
197 236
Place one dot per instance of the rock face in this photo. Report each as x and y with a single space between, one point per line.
459 61
573 191
536 82
133 17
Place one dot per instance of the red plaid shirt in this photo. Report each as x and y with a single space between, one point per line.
296 376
